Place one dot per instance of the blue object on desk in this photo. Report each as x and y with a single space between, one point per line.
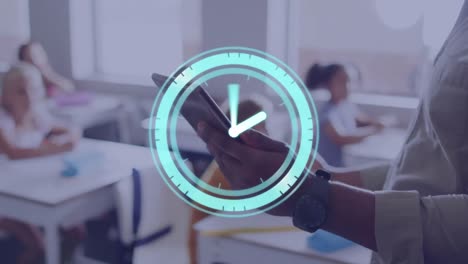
76 163
327 242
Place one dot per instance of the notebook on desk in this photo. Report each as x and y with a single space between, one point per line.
262 223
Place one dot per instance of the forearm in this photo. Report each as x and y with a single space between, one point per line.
352 214
347 176
369 177
346 140
19 153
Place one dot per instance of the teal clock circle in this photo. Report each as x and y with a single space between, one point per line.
275 75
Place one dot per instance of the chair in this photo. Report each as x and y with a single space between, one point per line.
154 222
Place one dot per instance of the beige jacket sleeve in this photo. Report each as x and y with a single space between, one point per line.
414 229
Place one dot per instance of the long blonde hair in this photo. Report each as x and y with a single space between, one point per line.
35 91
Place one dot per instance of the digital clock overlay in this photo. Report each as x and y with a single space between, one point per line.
251 64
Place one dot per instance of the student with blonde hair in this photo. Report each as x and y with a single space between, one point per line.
27 130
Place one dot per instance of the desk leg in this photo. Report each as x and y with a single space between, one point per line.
52 244
123 126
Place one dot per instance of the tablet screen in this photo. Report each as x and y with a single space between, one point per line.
199 106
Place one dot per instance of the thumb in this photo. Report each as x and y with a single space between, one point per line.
260 141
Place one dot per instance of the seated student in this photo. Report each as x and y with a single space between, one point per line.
26 128
341 122
34 53
27 131
213 175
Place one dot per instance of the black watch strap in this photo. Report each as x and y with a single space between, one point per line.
320 187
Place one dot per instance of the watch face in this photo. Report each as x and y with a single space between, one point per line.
234 73
310 214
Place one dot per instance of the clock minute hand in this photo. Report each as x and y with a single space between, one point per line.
250 122
233 93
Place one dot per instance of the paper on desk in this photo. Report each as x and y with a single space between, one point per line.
218 226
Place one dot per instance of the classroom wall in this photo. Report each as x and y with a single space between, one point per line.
14 18
336 27
389 59
14 27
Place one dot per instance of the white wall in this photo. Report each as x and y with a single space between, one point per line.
14 20
353 25
14 28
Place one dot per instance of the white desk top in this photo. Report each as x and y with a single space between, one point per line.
40 179
383 146
290 241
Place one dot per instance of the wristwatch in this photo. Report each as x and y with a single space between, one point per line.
311 208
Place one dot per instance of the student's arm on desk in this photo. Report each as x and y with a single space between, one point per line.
46 148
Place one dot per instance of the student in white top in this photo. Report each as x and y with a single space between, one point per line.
26 128
341 122
414 210
27 131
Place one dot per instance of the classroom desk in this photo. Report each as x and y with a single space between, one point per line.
101 109
384 146
266 247
33 190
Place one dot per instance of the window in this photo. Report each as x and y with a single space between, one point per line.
388 46
137 38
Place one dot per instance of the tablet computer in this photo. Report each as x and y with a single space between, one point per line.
199 106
